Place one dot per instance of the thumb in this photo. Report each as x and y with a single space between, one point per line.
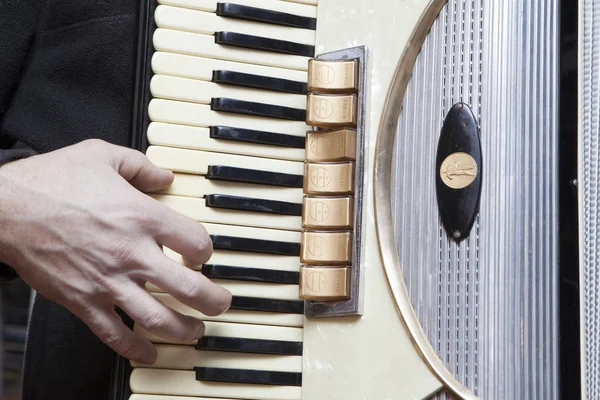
140 172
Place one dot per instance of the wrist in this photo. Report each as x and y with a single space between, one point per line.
9 200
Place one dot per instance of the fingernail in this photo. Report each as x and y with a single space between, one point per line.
168 174
227 304
200 329
148 354
148 358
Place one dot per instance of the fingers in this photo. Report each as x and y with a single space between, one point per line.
182 234
171 229
109 328
135 167
158 319
188 286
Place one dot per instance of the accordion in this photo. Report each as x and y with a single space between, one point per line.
403 196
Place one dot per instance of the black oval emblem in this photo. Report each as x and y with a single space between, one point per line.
458 172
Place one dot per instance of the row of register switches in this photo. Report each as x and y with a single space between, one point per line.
329 175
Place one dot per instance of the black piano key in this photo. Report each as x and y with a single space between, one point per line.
253 205
259 82
259 137
245 345
262 43
232 243
244 175
216 271
257 109
267 16
248 376
267 305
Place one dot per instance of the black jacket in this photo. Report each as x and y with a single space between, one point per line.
66 74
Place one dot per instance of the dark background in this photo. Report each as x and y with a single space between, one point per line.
15 299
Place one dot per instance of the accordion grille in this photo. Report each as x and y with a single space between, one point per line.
489 305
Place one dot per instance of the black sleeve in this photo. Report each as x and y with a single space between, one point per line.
18 23
17 29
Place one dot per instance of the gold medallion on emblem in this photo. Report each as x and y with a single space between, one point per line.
458 170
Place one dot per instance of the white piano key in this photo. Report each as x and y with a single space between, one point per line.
226 329
197 162
260 289
184 383
202 68
255 260
187 357
238 316
254 233
243 259
251 289
273 5
183 113
196 209
198 138
198 186
311 2
204 45
195 91
208 23
159 397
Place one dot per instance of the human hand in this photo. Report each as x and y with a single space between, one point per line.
78 229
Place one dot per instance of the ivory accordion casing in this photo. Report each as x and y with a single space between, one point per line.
474 237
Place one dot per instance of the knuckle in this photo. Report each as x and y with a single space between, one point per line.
190 290
137 213
119 295
130 261
108 333
154 321
95 144
122 345
128 257
140 214
123 250
138 156
98 282
129 350
112 339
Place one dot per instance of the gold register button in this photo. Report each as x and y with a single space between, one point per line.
324 283
328 213
329 179
329 248
339 145
339 76
331 111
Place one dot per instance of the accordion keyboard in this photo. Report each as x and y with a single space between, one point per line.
228 118
228 111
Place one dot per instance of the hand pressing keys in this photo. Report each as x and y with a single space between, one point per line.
77 228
